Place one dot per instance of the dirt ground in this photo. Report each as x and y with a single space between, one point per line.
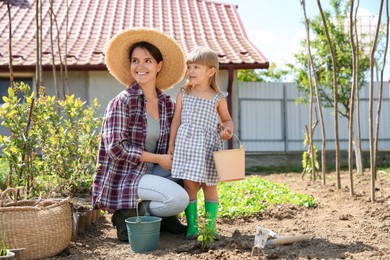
341 227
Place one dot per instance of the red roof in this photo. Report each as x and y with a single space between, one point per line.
92 23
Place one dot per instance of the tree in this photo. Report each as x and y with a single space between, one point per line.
334 73
323 60
335 91
373 137
354 42
380 95
312 75
273 74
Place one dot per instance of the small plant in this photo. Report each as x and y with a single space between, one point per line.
206 233
307 157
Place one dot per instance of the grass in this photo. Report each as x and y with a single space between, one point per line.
274 169
253 195
246 197
385 169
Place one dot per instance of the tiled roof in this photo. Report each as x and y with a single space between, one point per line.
92 23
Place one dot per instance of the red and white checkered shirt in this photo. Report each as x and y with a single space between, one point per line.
121 145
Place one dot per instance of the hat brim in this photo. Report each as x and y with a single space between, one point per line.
118 61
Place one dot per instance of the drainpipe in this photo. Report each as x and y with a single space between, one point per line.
230 98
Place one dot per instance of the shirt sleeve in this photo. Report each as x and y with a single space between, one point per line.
117 134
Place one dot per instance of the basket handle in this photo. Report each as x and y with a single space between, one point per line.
41 203
4 194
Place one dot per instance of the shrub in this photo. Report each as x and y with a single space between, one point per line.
52 145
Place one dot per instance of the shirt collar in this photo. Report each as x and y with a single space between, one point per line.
136 89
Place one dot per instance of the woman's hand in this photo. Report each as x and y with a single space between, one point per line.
165 161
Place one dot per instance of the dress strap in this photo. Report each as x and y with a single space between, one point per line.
220 95
183 91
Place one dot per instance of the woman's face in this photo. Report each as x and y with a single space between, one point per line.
143 66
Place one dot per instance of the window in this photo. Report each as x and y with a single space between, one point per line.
4 85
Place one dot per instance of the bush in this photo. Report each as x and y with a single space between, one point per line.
52 145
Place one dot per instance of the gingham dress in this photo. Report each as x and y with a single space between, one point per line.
196 140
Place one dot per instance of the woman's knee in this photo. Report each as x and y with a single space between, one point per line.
181 199
164 194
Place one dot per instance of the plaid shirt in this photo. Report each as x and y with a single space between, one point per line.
121 145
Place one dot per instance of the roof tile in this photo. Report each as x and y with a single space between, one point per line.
92 23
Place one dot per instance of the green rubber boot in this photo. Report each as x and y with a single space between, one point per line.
192 225
211 209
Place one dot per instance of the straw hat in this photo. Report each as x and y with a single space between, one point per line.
118 61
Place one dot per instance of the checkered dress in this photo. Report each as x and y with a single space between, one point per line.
197 138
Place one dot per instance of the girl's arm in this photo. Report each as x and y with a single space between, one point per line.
226 127
176 121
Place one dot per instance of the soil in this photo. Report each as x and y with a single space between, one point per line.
341 226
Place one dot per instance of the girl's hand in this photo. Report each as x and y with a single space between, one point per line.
225 133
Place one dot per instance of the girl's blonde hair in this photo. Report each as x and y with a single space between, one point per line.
209 58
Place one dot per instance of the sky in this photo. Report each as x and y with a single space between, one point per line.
276 27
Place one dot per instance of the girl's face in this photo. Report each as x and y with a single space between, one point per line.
199 74
143 66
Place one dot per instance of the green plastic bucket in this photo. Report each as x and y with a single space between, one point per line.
143 232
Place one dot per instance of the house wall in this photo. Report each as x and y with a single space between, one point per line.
77 80
88 85
104 87
269 123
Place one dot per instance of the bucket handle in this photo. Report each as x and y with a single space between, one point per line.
241 145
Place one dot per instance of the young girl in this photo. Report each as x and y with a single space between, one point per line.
200 122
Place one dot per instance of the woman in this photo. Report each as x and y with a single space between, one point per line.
134 140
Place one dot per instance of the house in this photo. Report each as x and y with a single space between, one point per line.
92 23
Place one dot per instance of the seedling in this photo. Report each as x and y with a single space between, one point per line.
206 233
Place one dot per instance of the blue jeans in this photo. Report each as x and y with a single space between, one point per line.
167 198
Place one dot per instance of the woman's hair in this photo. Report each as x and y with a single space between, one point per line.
209 58
153 50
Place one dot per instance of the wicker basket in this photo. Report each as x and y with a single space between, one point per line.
43 228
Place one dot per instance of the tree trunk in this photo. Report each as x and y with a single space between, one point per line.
11 77
380 94
353 38
336 121
53 62
370 115
11 69
59 51
313 72
66 51
38 43
358 156
358 143
40 47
